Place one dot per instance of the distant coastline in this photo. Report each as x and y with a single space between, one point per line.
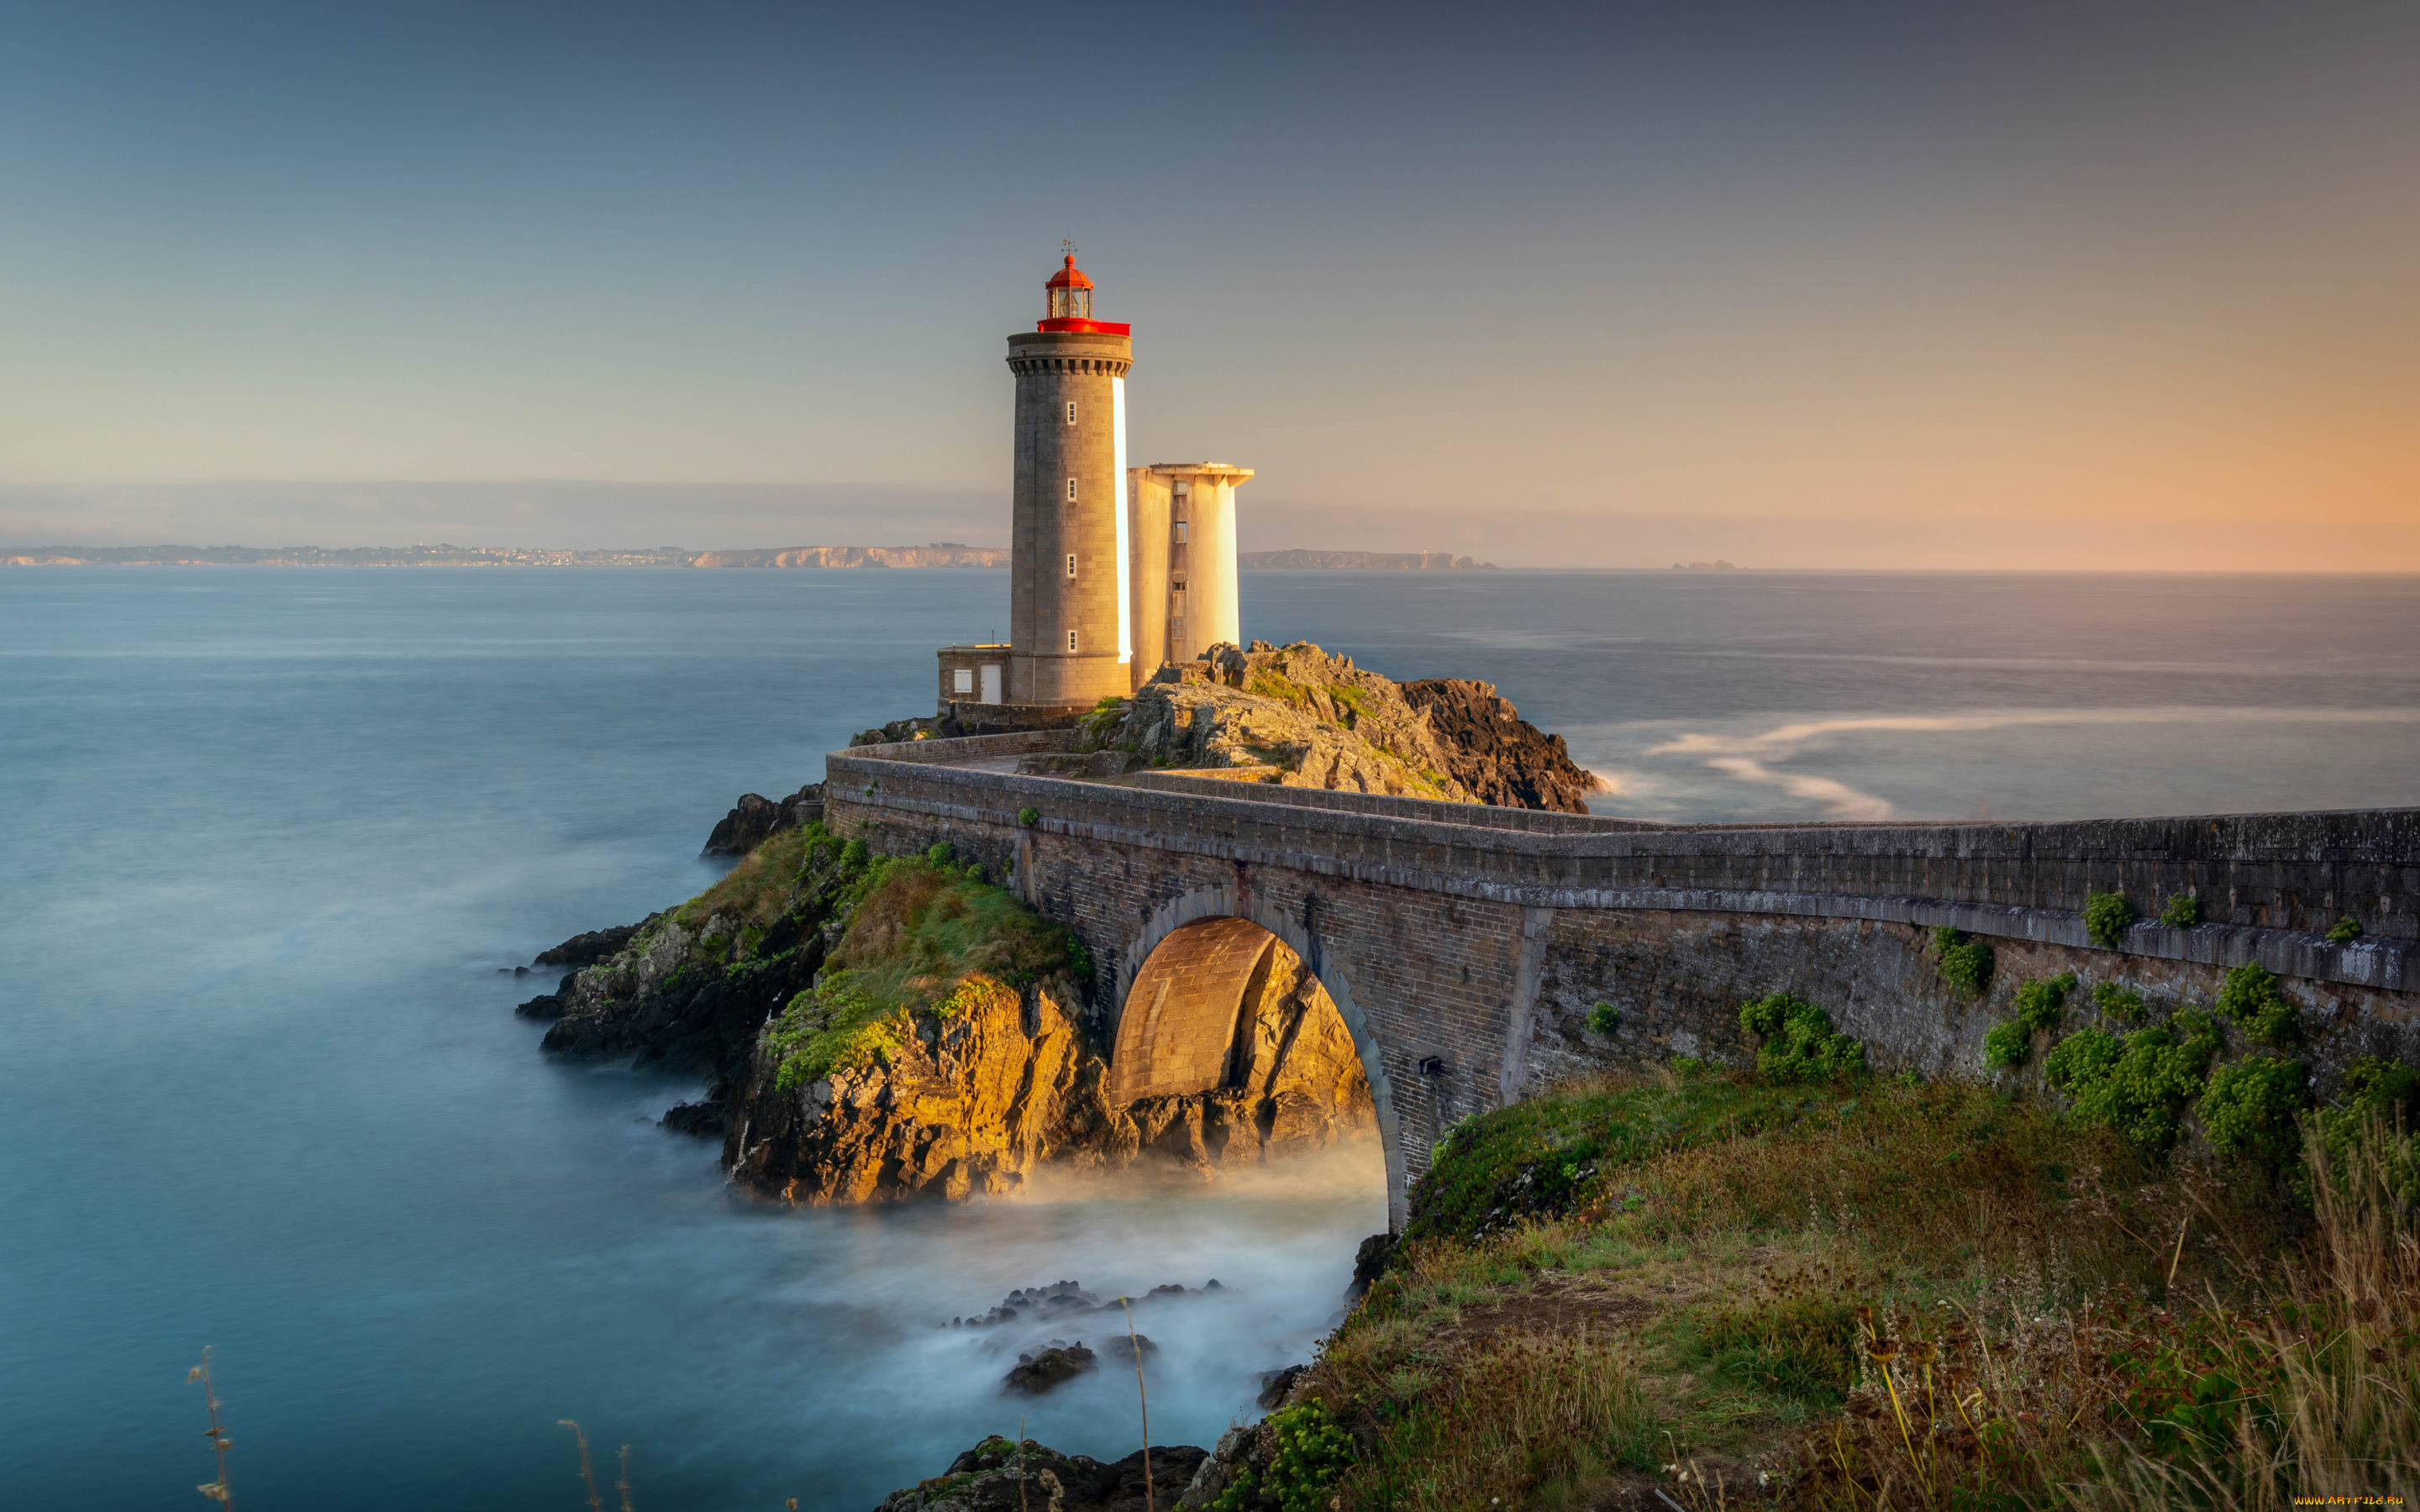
1355 561
444 554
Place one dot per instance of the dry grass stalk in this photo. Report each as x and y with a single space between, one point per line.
216 1490
1149 1505
587 1475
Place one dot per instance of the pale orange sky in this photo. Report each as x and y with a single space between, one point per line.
2021 286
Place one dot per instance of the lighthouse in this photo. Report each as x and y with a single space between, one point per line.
1070 605
1113 571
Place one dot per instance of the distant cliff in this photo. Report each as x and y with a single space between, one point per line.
1332 560
939 554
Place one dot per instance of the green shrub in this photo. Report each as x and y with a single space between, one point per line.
854 855
2251 998
2344 930
2107 915
1965 963
2251 1107
751 937
2120 1003
1313 1449
834 1026
714 948
1605 1018
2139 1084
1799 1043
1080 959
2039 1007
942 854
2182 911
2388 1091
1029 817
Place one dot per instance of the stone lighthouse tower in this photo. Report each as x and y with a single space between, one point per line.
1070 615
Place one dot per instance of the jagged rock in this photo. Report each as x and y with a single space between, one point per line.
1037 1373
589 948
699 1119
1369 1262
1275 1384
1302 717
997 1476
756 819
934 727
675 1004
1494 753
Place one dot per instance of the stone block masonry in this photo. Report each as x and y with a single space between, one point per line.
1465 952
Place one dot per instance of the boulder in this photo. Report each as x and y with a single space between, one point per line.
1037 1373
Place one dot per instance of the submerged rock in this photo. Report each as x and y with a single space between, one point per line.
1037 1373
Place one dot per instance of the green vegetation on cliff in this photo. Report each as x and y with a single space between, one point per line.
921 932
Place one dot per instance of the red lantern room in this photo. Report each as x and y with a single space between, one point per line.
1071 304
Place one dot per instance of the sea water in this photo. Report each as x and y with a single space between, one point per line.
272 839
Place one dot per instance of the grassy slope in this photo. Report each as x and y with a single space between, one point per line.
1864 1294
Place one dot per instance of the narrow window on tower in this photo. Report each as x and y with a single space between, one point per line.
1071 490
1071 639
1180 524
1071 411
1071 564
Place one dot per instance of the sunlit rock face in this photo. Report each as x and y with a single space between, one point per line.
974 1101
1294 715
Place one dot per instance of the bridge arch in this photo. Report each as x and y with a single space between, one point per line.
1216 965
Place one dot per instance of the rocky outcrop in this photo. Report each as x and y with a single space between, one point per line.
589 948
971 1102
683 996
756 819
1499 757
1001 1475
1297 717
1293 715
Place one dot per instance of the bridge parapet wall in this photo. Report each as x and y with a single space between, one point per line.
2271 884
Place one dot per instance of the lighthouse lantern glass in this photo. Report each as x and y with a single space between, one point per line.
1071 304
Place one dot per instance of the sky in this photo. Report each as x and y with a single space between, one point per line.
1842 286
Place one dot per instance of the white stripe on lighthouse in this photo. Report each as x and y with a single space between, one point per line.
1126 571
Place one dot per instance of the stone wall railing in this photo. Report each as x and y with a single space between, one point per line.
2271 884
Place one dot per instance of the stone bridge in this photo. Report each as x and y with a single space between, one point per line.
1465 945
